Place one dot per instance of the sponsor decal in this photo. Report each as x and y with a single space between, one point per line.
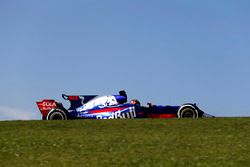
47 105
100 103
120 114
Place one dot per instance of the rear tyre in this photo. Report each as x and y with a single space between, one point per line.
187 111
57 114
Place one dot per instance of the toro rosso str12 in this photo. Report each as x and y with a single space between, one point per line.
112 107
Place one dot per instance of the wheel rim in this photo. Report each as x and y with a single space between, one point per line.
57 116
188 113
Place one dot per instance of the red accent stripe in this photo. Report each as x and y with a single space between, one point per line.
73 97
106 110
161 115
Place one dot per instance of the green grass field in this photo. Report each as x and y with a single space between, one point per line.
139 142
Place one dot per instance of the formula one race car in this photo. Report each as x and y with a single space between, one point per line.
112 107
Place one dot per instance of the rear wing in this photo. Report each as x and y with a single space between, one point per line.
46 105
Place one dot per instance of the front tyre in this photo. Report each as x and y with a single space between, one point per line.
57 114
187 111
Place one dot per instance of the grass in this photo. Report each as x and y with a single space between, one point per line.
140 142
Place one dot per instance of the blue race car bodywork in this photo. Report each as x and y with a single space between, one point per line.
112 107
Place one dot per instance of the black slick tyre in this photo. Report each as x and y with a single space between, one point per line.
57 114
187 111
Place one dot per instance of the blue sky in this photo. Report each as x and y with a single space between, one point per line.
165 52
